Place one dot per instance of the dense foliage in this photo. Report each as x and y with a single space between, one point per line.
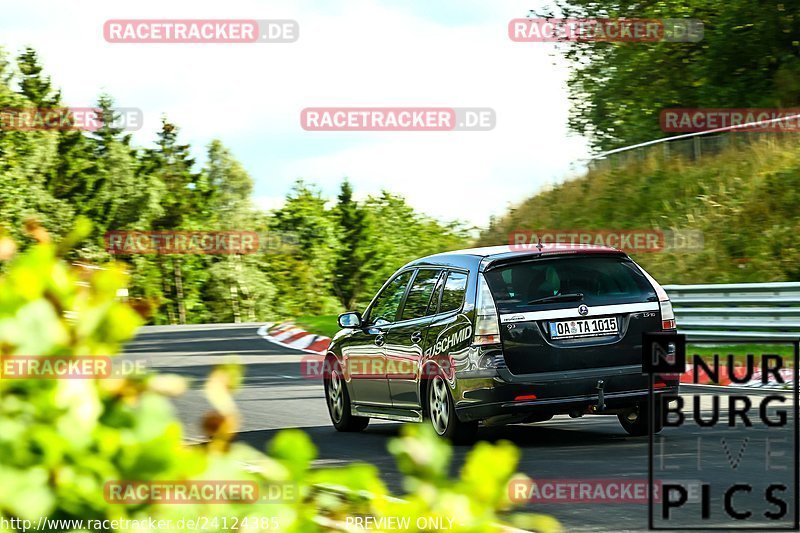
315 256
749 57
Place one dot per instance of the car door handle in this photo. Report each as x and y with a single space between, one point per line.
379 340
416 337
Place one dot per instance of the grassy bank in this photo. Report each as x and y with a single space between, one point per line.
321 325
743 199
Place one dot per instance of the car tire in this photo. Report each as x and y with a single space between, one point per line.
441 412
338 399
637 422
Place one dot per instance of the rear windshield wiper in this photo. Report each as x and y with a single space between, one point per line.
573 296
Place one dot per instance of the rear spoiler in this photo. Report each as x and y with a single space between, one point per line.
496 261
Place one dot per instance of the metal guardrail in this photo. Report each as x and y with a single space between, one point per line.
691 145
741 311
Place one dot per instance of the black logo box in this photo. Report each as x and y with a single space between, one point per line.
656 359
663 352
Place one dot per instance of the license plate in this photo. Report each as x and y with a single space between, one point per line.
585 327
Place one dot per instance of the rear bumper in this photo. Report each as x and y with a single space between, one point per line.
497 393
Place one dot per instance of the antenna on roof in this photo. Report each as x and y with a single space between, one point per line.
539 244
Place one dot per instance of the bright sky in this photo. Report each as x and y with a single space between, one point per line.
357 53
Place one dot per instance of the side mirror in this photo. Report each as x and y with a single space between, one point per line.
350 320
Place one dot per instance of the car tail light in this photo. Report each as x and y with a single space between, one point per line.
487 329
524 397
667 314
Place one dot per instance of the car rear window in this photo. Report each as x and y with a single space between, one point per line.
601 280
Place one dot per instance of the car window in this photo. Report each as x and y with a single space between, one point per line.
453 294
433 307
419 295
388 301
601 280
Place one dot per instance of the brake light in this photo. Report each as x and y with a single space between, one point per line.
525 397
487 329
667 314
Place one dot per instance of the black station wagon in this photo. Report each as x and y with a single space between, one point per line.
501 335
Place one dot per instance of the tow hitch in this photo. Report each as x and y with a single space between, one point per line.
601 400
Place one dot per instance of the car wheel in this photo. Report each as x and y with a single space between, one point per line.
636 422
338 399
442 413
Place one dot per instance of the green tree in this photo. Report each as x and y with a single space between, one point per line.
402 235
33 84
28 159
226 185
123 197
303 273
749 57
238 288
171 164
355 247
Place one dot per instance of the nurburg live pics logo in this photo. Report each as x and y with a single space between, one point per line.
738 450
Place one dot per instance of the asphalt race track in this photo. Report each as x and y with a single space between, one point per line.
275 396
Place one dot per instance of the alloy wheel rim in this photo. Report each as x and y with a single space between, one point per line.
335 399
439 406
